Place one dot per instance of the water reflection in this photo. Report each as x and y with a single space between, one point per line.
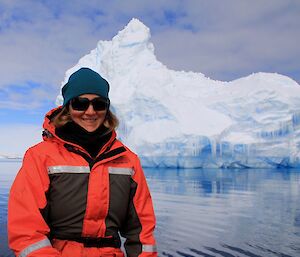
212 212
186 181
8 170
226 212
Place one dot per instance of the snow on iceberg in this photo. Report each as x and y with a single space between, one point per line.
184 119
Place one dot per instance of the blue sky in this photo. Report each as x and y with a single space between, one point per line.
225 40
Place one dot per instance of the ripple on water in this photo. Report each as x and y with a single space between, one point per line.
249 213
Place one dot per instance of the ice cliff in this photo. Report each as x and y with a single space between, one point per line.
184 119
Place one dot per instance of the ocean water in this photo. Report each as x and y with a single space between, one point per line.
202 212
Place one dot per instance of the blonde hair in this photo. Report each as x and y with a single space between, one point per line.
111 121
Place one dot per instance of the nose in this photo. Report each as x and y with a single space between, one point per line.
90 110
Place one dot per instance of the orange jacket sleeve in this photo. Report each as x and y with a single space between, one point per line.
27 229
140 224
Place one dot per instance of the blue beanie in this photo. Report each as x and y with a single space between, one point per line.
84 81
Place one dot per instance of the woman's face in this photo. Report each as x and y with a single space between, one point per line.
89 119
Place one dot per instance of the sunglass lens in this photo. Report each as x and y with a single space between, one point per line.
80 104
99 104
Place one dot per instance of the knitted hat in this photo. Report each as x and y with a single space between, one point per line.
84 81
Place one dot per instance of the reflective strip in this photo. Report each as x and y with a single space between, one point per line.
149 248
120 171
68 169
36 246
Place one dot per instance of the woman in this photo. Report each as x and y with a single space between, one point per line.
81 187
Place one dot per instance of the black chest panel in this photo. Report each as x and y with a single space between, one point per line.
67 198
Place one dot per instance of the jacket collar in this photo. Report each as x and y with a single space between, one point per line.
49 132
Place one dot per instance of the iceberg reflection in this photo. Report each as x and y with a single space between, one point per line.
212 212
226 212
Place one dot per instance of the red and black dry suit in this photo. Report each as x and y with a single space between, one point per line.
63 202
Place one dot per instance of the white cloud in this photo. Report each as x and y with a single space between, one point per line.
234 38
222 39
27 96
16 138
40 40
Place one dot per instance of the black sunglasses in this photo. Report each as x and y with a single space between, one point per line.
82 103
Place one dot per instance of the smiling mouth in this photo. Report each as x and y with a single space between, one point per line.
89 119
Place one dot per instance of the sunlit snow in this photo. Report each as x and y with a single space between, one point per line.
184 119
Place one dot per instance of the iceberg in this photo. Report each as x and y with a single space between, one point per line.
185 119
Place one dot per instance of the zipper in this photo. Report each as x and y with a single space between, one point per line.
105 155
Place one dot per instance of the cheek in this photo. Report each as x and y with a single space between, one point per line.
75 116
102 116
